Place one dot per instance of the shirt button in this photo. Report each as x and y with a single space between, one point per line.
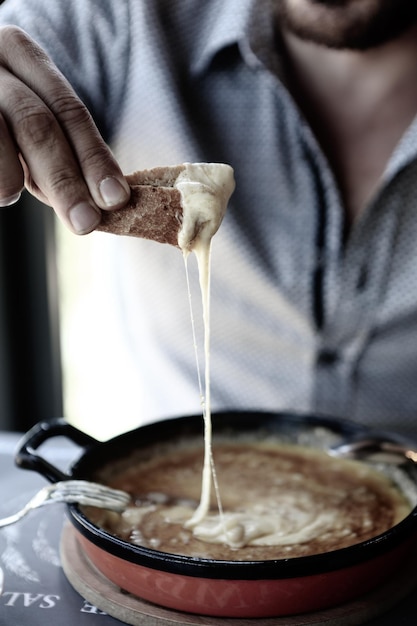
327 357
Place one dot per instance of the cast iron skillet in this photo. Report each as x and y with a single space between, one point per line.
383 553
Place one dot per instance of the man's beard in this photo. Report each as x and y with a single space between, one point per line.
352 24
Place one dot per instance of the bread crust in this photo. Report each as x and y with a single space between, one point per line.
154 210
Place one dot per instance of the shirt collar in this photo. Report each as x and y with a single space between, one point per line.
249 25
245 23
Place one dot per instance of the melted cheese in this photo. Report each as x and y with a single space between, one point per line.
205 190
280 500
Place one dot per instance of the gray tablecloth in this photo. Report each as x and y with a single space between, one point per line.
35 589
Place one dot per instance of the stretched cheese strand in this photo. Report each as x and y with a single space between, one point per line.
209 472
205 191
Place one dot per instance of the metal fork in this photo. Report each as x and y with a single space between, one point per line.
377 447
73 491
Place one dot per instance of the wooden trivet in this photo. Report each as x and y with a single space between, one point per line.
107 597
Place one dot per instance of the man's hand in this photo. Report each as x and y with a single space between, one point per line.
48 140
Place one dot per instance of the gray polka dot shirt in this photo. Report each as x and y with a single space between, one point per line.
302 320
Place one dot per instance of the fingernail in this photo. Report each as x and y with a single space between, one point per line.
84 218
112 191
10 200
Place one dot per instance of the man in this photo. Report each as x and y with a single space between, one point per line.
312 102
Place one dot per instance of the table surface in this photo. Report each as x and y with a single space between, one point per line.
35 589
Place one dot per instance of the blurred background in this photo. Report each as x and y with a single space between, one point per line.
30 356
50 328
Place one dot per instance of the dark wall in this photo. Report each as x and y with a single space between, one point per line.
30 364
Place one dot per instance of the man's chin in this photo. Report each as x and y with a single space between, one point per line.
347 24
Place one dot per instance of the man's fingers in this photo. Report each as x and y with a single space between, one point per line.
52 170
67 162
83 217
10 170
109 190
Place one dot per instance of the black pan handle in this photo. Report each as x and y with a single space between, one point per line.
26 457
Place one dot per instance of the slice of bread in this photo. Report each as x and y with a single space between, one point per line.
154 210
182 205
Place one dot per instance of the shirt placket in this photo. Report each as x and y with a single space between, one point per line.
358 284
